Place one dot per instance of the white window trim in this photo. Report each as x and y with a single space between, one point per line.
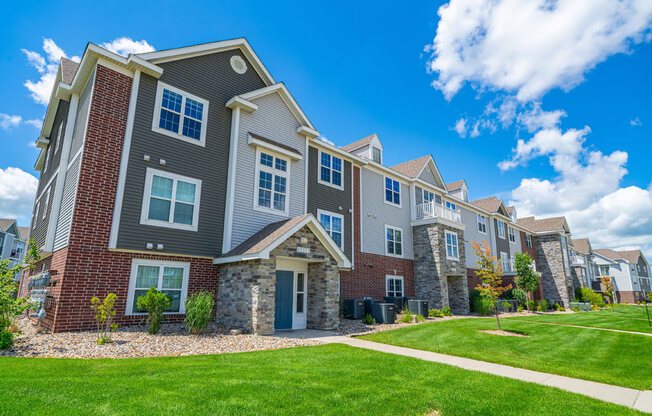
506 258
158 263
57 145
45 204
332 214
323 182
275 172
400 196
511 233
35 217
391 276
528 240
485 223
387 253
457 245
502 235
146 198
425 192
379 151
157 114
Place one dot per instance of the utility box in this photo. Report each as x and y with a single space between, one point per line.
384 313
419 307
368 306
353 308
398 301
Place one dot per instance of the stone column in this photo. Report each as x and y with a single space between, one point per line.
323 306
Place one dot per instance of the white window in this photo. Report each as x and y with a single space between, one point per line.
17 248
512 235
482 224
392 192
47 157
35 216
393 241
301 292
394 286
59 138
451 205
180 115
334 224
428 196
451 246
504 261
271 183
47 200
168 277
501 229
376 155
528 240
604 270
330 170
511 263
171 200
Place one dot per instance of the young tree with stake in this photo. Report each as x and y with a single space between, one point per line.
526 278
490 274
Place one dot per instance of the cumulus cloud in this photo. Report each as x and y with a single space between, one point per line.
460 127
17 191
125 46
529 47
326 140
8 121
636 122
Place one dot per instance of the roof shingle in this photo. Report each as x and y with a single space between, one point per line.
358 143
582 244
411 168
68 70
543 224
263 238
454 186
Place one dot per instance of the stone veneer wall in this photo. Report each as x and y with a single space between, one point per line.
440 281
550 263
247 290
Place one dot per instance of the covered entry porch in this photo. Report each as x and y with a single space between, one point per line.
282 278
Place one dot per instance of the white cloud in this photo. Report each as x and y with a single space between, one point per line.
460 127
529 47
535 118
325 139
125 46
36 123
17 191
636 122
8 121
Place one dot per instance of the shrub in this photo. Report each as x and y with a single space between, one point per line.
507 307
542 305
561 309
520 296
368 320
520 308
473 296
6 338
155 303
589 295
447 311
575 309
407 316
199 308
556 306
104 315
532 304
420 318
483 306
435 313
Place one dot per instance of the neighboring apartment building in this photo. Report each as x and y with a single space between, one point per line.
185 169
13 241
629 272
582 266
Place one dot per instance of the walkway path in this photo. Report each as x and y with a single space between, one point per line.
636 399
584 327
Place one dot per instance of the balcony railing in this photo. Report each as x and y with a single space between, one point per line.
434 210
577 261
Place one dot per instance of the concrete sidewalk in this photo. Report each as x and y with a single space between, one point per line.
636 399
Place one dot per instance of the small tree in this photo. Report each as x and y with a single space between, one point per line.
105 313
490 274
526 278
608 290
155 303
11 306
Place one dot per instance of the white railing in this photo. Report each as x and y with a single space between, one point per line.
577 260
434 210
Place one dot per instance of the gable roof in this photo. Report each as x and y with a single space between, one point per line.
68 70
582 244
491 204
454 186
630 256
359 143
510 209
5 223
24 232
411 168
544 224
259 245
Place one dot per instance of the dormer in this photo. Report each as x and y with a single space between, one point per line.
458 190
512 212
369 148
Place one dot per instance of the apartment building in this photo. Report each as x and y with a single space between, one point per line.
13 241
629 272
582 266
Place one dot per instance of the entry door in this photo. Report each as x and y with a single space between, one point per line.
283 303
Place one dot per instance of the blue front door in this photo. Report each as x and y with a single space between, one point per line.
283 305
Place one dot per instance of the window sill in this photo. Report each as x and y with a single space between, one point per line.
162 224
341 187
271 211
392 204
201 142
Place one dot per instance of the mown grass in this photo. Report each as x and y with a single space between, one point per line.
605 318
328 380
608 357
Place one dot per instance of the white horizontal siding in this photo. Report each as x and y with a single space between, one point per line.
67 205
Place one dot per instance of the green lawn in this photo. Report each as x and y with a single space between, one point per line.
608 357
597 319
329 379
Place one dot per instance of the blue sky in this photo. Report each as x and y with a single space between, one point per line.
360 68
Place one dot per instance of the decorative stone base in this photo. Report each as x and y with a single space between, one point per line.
556 284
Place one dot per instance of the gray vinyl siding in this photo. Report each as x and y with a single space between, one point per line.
327 198
514 247
55 156
83 107
427 176
67 206
209 77
272 120
471 234
643 271
502 244
39 233
375 214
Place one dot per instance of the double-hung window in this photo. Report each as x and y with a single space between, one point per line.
330 170
428 196
171 278
392 191
504 261
171 200
59 139
482 224
512 235
180 114
501 229
271 183
604 270
452 252
376 155
528 240
394 286
334 224
47 200
393 241
35 216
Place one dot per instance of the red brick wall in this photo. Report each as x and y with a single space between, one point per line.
628 296
86 268
367 279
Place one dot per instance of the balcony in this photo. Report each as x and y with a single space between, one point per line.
434 210
577 261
